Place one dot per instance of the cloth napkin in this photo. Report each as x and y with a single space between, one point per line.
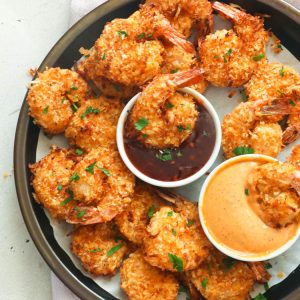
79 8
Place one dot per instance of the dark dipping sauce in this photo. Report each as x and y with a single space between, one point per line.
187 159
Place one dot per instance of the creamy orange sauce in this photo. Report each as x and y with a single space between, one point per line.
231 220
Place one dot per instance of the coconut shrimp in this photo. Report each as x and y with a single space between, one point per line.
175 239
163 118
94 124
133 221
102 185
53 96
274 191
294 157
141 281
99 248
129 51
183 14
244 131
51 176
229 57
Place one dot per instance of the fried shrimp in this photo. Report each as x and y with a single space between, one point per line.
99 248
133 221
221 277
102 185
129 52
51 177
175 240
53 96
274 192
142 281
294 157
163 118
243 128
94 124
229 57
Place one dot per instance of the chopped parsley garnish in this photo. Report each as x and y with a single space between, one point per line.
204 282
62 100
281 72
242 150
90 168
281 93
59 187
245 97
114 249
45 110
74 107
141 123
258 57
73 88
182 128
268 266
95 250
80 213
260 297
170 213
228 53
141 36
266 286
190 222
75 177
145 135
173 71
169 105
105 171
280 46
292 103
117 87
174 231
151 211
67 200
246 192
103 56
228 263
176 261
164 155
216 56
78 151
122 34
88 111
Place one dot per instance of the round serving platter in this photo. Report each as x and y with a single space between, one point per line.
285 23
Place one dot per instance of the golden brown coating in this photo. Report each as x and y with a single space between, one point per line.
51 97
222 278
142 281
99 248
133 221
103 187
273 190
163 118
51 176
294 157
94 124
229 57
175 242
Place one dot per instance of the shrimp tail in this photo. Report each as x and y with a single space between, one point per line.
260 273
228 11
290 134
187 78
279 108
204 27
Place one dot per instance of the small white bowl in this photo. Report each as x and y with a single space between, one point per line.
225 249
170 184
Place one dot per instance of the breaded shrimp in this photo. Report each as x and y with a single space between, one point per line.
243 128
294 157
51 177
99 248
103 187
94 124
128 51
163 118
53 96
222 278
273 189
229 57
175 240
133 221
142 281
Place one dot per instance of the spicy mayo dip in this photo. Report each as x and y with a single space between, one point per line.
228 217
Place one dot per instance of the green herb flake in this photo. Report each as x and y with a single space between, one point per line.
176 261
103 56
80 213
170 213
228 263
149 35
246 192
78 151
62 100
245 97
174 231
141 36
292 103
204 282
164 155
260 297
266 286
141 124
59 187
151 211
182 128
228 53
67 200
105 171
95 250
114 249
74 107
90 168
145 136
75 177
217 56
280 46
268 266
281 72
122 34
258 57
169 105
45 110
89 110
190 222
73 88
242 150
173 71
182 289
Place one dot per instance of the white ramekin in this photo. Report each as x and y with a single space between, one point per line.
225 249
185 181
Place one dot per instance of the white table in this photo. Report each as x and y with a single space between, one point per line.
28 29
